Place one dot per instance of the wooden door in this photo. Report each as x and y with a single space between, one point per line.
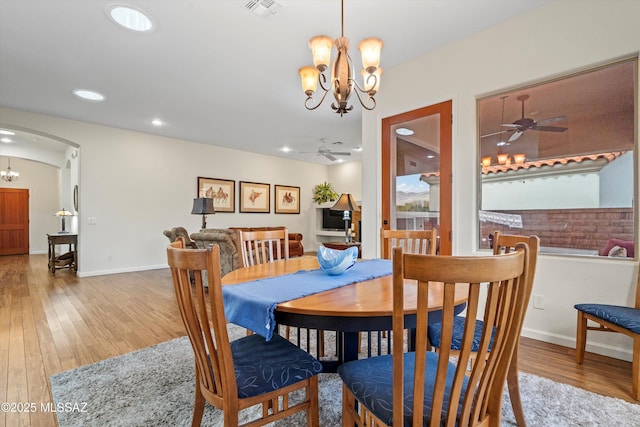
436 121
14 221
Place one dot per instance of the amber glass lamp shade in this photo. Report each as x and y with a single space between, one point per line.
370 52
309 78
321 50
371 84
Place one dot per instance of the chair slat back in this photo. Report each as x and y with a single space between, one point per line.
479 395
506 243
411 241
214 364
260 247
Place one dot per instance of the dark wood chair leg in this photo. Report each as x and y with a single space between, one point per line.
581 336
635 375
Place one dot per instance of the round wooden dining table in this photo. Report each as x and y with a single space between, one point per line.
358 307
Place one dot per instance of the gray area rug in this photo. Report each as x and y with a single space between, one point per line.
155 387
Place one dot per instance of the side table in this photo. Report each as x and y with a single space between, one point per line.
67 260
341 246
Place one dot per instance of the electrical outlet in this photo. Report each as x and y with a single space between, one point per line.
92 220
109 257
538 301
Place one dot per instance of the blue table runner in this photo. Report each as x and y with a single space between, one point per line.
252 304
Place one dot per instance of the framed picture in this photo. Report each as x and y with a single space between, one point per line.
286 199
254 197
222 191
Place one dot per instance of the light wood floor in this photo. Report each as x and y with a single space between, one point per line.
50 324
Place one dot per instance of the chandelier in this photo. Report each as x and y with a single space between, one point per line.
9 175
342 80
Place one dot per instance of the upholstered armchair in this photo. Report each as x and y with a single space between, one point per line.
176 232
226 238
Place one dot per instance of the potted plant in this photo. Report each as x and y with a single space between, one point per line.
323 193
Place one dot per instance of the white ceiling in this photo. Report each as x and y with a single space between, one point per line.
212 70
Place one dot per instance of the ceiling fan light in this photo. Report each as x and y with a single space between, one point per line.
370 52
309 78
503 158
321 50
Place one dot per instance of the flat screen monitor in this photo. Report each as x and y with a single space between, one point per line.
333 220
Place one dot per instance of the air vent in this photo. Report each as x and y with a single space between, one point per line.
264 7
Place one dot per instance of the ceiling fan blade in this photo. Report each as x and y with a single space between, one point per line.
497 133
551 120
510 125
549 128
338 153
517 134
330 157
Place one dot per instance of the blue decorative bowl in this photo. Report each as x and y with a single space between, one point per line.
334 261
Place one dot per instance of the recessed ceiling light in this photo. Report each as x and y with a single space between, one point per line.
404 131
157 122
286 149
358 148
88 95
129 17
430 156
6 132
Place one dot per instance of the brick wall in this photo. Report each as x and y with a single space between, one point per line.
569 228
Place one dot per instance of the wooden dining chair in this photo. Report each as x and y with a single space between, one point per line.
502 243
383 390
262 246
250 371
412 241
612 318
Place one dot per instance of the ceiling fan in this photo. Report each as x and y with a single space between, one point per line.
326 152
524 123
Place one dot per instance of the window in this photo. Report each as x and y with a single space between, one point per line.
557 160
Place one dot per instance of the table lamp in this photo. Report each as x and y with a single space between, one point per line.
63 214
203 206
347 204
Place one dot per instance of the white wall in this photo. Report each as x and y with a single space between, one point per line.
137 185
549 192
43 182
616 183
555 39
346 178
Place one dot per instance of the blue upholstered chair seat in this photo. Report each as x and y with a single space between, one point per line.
262 366
458 332
625 317
370 380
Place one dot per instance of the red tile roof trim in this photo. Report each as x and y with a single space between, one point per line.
550 162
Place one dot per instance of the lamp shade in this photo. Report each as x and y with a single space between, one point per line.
321 51
519 158
371 80
370 51
345 203
203 206
309 78
63 213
